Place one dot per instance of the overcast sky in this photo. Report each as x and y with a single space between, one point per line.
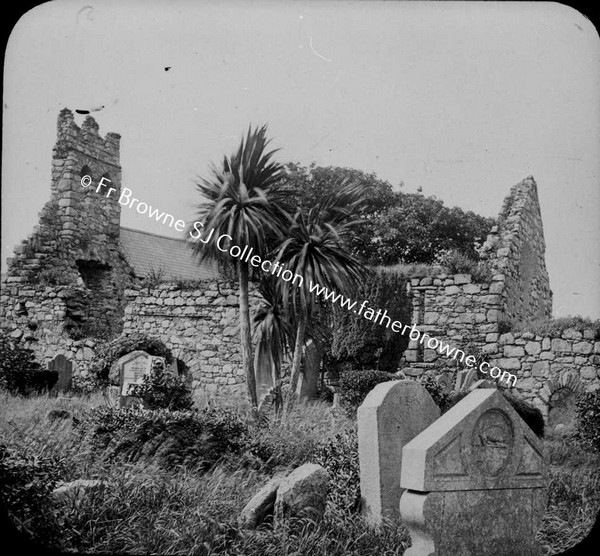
463 100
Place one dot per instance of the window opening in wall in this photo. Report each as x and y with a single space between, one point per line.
106 184
85 171
93 273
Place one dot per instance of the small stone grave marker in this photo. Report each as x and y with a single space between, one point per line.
444 381
475 482
464 379
392 414
64 368
132 369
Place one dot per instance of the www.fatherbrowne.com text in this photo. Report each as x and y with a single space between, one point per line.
223 243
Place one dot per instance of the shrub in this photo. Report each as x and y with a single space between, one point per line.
339 456
163 390
555 327
325 394
195 440
109 353
26 484
84 385
355 385
588 419
458 263
504 326
366 344
17 367
441 399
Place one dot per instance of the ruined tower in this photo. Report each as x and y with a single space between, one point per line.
75 246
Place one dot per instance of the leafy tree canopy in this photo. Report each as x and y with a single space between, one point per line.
396 226
418 228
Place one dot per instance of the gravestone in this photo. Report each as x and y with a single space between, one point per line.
64 368
392 414
464 379
562 411
476 482
308 381
445 382
132 368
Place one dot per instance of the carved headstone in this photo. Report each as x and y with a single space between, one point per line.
61 365
132 369
392 414
476 482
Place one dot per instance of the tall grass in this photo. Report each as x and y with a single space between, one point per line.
146 509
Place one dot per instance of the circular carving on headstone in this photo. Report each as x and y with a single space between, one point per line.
492 442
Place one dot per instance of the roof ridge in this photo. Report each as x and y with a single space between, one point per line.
182 240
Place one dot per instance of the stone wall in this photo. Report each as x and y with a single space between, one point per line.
455 309
35 316
470 316
200 326
546 364
517 256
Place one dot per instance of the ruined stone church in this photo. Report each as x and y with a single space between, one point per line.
80 273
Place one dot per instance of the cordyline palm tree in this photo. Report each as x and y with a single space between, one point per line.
273 334
241 201
315 250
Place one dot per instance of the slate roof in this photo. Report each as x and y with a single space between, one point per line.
146 252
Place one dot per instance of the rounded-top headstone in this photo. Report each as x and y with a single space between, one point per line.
392 414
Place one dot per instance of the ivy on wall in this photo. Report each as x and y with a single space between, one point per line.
365 344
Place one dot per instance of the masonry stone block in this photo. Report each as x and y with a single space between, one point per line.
533 348
462 279
513 351
541 368
511 363
583 347
507 338
571 334
559 345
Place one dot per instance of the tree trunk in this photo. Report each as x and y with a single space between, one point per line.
246 337
297 361
278 400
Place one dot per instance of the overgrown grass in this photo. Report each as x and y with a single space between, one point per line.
573 495
147 509
416 270
555 327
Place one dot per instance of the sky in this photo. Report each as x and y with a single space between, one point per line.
463 100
